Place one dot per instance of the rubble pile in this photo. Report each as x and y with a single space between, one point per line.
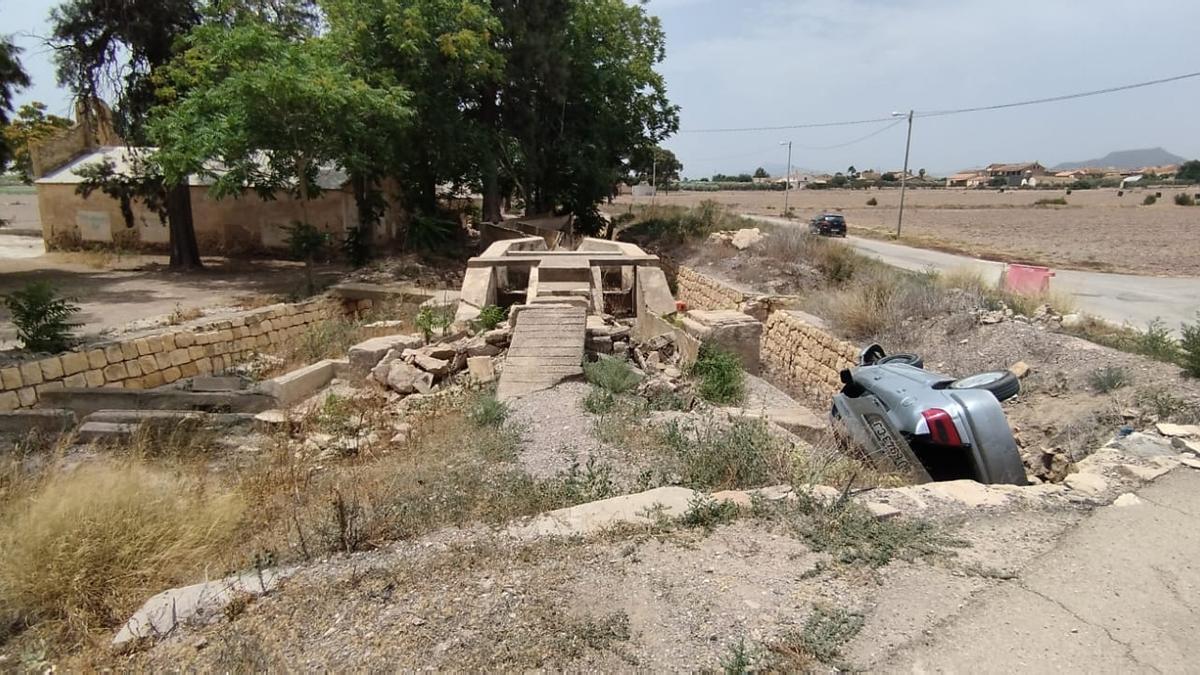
404 365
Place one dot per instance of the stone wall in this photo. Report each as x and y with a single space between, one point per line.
701 291
154 360
797 351
799 354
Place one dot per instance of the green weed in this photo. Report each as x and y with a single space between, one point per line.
722 380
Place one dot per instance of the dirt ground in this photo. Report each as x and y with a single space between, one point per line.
1097 230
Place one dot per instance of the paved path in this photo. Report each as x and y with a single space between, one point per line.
547 348
1115 297
1119 594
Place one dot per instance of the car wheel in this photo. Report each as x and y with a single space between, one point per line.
1002 383
907 359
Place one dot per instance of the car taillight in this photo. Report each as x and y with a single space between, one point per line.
941 427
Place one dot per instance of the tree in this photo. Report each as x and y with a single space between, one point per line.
889 177
1189 172
998 181
761 173
655 163
852 172
104 45
272 111
921 173
12 78
839 180
31 125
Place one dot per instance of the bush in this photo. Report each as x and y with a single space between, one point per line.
1149 200
1157 342
611 374
490 317
738 455
89 546
1108 378
1190 349
872 202
1184 199
1048 201
41 317
720 373
488 411
429 318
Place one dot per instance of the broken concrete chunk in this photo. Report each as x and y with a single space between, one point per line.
1142 445
429 364
1127 499
498 336
1090 484
1145 473
642 508
1178 430
744 239
481 369
365 355
1020 369
404 378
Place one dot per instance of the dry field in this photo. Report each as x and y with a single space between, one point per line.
1097 230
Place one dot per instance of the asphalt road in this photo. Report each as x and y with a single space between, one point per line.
1119 594
1121 298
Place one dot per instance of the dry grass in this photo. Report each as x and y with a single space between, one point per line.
83 548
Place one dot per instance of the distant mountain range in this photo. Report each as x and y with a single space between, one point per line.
1127 159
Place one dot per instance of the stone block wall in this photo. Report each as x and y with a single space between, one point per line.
798 354
154 360
701 291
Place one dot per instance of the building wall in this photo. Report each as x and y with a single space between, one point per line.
162 358
242 225
797 352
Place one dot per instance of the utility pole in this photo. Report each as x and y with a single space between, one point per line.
904 174
787 178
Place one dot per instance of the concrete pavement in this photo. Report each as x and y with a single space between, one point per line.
1120 298
1118 594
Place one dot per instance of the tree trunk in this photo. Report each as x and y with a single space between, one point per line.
185 254
490 113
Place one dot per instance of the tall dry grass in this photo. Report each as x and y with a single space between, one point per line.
87 545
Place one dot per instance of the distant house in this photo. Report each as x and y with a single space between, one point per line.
967 179
869 175
1016 175
797 180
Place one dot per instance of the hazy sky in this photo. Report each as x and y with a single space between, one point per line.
740 63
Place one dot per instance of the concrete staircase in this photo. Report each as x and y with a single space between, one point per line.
547 348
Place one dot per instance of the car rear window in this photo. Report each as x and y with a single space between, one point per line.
835 219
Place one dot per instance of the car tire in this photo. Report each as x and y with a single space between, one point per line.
908 359
1002 384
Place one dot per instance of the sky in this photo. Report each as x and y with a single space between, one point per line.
751 63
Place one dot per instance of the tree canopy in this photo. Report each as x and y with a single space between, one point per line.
1189 172
12 78
761 173
654 163
32 124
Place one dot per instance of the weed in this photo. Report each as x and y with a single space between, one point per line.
1108 379
592 483
1166 406
488 411
490 317
1189 348
611 374
706 512
180 315
430 318
1184 199
739 658
672 225
1149 200
1051 201
722 380
41 316
1157 342
599 401
838 264
740 454
822 638
324 340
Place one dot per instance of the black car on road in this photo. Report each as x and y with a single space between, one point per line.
828 225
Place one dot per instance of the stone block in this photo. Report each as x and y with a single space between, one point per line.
155 344
738 333
76 381
162 360
10 378
179 357
189 370
148 364
133 368
49 386
172 374
129 350
302 383
113 353
41 419
184 340
481 369
9 401
115 372
152 380
168 342
94 378
51 368
27 396
404 378
637 509
367 354
31 373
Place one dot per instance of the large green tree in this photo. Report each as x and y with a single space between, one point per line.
249 105
31 125
657 164
12 78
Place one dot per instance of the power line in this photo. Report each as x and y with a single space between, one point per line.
860 139
942 113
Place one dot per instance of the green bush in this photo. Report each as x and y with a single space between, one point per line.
720 373
1184 199
716 456
491 316
1190 349
1157 342
429 318
306 242
1048 201
613 375
1108 378
872 202
1149 200
42 317
488 411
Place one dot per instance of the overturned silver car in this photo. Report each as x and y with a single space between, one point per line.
908 420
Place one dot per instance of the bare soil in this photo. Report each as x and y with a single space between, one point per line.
1097 230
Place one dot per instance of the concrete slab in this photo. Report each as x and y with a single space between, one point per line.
217 383
367 354
547 348
84 402
42 419
637 509
729 329
299 384
93 432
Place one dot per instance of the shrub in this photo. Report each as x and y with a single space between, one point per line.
428 318
488 411
41 317
872 202
1108 378
1149 200
706 512
599 401
827 630
720 373
838 263
491 316
1051 201
1157 342
90 545
741 454
1184 199
611 374
1190 349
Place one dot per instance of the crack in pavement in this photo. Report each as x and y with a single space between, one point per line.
1108 633
1169 508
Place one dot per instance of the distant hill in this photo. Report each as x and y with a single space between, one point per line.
1127 159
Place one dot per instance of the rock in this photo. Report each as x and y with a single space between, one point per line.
195 604
1178 430
620 348
1190 462
481 369
672 372
1049 465
1144 473
1072 321
365 355
1184 445
739 498
407 379
652 361
639 509
479 346
1090 484
882 511
776 493
988 318
759 308
498 336
403 433
1142 445
434 366
1020 369
1127 499
744 239
271 418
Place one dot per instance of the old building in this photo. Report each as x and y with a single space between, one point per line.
1017 175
